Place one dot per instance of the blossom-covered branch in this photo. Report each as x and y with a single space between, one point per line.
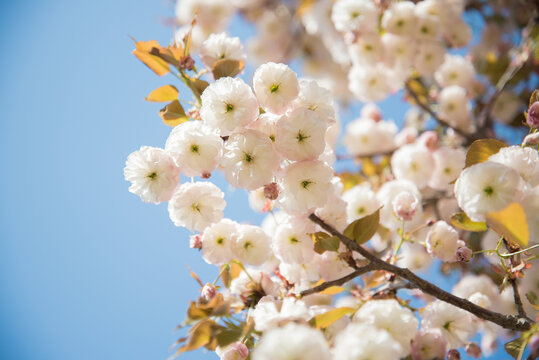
506 321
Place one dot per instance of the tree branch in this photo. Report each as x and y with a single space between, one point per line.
469 137
360 271
510 322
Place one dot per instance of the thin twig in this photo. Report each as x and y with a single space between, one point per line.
435 116
360 271
518 300
511 322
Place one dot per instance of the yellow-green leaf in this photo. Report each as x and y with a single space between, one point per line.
334 290
535 95
227 67
143 51
363 229
324 242
228 336
163 94
481 150
511 224
462 221
201 334
173 114
326 319
513 347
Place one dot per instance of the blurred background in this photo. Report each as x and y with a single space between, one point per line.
88 271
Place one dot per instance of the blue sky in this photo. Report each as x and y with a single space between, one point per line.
88 271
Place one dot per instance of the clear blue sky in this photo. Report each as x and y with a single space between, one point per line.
87 271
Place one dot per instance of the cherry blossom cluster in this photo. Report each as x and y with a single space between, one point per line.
277 136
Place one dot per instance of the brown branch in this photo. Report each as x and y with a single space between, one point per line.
518 300
360 271
512 69
510 322
428 110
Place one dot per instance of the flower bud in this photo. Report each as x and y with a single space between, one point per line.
473 350
234 351
464 254
195 242
208 292
271 191
430 140
453 354
533 115
405 205
531 139
187 62
534 346
371 111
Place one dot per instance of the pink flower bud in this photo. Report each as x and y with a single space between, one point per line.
406 136
193 113
187 62
473 350
405 205
195 241
534 346
531 139
430 140
453 354
371 111
533 115
271 191
208 292
464 254
234 351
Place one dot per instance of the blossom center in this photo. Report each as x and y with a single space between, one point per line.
305 183
274 88
301 137
229 107
194 148
488 190
152 176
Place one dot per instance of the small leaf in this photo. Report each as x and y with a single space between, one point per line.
535 95
143 51
363 229
227 67
481 150
173 114
163 94
532 298
513 347
462 221
511 224
324 320
334 290
228 336
324 242
201 334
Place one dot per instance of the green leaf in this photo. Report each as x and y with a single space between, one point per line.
363 229
163 94
326 319
228 336
227 67
481 150
462 221
201 334
173 114
511 224
324 242
532 298
513 347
